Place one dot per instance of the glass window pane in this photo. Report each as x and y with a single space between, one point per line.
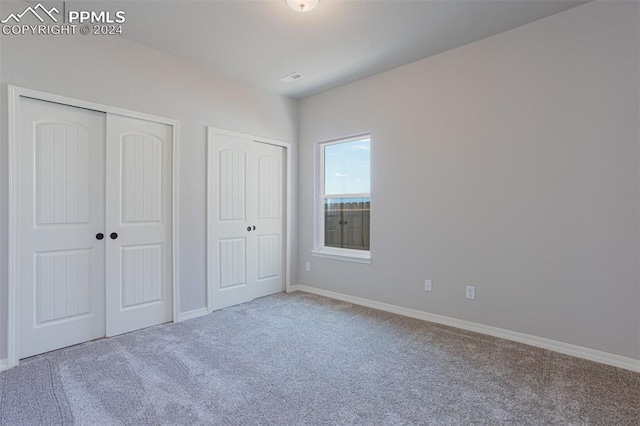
346 168
346 223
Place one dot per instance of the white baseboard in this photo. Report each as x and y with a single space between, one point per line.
540 342
4 364
183 316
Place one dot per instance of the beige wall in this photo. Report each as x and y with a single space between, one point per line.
113 71
511 164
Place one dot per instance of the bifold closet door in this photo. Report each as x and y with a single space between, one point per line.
266 213
95 225
138 224
247 249
62 218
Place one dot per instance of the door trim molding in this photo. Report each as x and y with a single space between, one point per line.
211 207
13 297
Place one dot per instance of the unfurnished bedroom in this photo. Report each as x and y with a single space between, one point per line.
320 212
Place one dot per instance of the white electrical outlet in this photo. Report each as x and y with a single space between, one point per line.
307 266
427 285
471 292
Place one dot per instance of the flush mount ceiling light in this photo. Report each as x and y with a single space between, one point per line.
302 5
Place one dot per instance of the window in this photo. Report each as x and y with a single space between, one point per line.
343 199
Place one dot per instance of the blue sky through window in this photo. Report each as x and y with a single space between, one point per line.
347 167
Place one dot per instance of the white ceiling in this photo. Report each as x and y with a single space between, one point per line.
339 42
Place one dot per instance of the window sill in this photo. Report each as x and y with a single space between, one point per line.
346 255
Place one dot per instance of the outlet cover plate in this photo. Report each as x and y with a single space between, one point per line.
427 285
471 292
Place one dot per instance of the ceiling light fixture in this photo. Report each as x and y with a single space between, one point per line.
303 5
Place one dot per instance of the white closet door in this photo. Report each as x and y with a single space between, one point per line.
228 251
138 224
266 211
61 212
247 245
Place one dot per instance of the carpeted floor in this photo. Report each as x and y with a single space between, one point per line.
300 359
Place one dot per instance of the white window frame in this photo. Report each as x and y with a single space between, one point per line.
320 250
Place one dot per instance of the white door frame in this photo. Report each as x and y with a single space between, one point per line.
15 93
211 199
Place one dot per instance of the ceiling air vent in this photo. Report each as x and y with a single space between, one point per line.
291 77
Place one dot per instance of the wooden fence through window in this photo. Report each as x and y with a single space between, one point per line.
347 224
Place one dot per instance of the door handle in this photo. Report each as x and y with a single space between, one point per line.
99 236
254 227
113 235
249 228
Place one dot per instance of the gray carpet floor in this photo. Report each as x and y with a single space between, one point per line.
300 359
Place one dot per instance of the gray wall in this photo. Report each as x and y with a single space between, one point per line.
511 164
116 72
